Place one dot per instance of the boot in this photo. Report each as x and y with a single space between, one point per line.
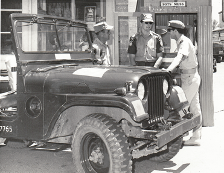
192 142
195 140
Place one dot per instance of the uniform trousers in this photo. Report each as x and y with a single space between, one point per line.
190 84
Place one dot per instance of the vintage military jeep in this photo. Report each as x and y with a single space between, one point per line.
108 114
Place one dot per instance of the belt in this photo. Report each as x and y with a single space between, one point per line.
188 71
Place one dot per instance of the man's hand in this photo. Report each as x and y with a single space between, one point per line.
167 70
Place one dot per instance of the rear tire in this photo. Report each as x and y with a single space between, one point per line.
173 148
100 146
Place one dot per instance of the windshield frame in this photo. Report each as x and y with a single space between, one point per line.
57 23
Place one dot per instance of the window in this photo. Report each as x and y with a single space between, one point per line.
47 37
8 7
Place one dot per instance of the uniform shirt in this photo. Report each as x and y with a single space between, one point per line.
187 49
102 52
145 49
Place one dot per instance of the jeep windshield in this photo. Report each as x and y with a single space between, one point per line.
52 36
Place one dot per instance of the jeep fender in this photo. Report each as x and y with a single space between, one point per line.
76 109
176 99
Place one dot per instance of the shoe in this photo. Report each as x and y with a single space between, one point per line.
37 144
192 142
2 141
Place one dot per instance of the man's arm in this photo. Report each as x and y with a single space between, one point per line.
132 59
175 62
159 60
159 50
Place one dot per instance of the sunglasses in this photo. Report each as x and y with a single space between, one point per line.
105 31
170 30
148 23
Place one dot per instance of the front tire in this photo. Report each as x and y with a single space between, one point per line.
173 148
100 146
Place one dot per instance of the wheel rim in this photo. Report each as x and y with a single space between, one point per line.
94 154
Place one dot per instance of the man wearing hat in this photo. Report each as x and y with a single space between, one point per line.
102 52
146 47
187 61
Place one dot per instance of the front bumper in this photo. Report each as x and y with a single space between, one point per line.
163 137
177 130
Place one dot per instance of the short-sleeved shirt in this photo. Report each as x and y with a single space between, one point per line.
102 52
188 50
145 49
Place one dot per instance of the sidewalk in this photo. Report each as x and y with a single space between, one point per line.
208 157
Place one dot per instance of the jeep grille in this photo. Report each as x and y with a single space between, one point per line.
155 98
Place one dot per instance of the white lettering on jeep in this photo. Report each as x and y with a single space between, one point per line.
92 72
7 129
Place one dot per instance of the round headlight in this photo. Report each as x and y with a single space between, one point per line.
141 90
165 86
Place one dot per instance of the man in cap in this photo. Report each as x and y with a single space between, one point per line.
146 47
102 52
187 61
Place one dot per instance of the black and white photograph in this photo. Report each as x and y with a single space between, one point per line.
111 86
